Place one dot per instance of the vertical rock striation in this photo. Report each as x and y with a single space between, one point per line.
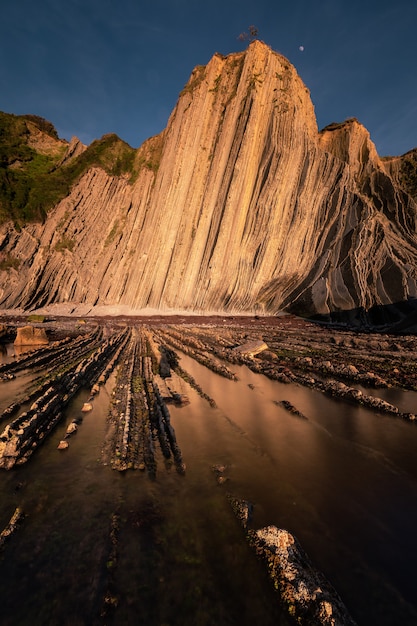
240 205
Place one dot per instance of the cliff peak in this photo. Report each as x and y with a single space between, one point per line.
239 205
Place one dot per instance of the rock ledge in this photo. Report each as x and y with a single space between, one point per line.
309 597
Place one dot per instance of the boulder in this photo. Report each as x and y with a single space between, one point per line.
72 428
31 336
252 348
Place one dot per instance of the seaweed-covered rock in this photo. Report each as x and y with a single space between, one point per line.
243 510
310 599
12 526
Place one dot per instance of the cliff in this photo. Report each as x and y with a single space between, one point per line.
240 205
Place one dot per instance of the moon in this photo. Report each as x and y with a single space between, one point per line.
301 48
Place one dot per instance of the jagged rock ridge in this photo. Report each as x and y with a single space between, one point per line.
240 205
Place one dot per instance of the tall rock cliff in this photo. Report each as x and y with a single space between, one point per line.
240 205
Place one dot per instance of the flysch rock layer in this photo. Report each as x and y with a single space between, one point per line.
305 592
30 336
250 209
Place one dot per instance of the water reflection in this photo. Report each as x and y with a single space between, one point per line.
181 556
7 352
344 481
20 349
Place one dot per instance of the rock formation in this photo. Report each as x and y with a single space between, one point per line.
30 336
305 592
252 348
239 205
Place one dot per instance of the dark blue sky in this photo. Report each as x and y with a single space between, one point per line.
97 66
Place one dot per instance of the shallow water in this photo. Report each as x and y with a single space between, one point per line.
344 481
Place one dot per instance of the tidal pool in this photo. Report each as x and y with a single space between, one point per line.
102 547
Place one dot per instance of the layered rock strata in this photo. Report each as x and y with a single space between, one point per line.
22 436
239 205
308 596
30 336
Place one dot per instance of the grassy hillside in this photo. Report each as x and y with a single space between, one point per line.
31 182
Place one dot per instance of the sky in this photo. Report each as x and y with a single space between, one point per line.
93 67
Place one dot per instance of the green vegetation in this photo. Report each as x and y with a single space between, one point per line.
137 384
65 243
43 125
148 156
254 80
32 183
8 262
198 75
111 153
112 234
216 84
36 318
235 65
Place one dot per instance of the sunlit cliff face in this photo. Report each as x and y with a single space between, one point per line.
240 205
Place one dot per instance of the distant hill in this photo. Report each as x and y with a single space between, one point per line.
36 168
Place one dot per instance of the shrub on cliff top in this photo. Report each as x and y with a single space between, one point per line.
31 183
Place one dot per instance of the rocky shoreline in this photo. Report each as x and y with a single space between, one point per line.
144 358
341 364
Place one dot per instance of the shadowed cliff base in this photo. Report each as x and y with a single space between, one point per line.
398 317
